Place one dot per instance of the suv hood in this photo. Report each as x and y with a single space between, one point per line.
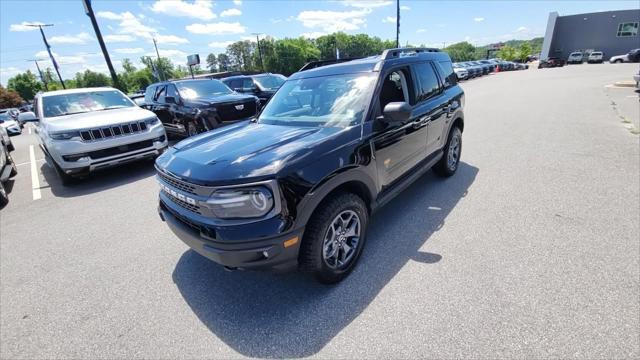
220 99
97 119
244 150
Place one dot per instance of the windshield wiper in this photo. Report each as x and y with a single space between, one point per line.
112 107
71 113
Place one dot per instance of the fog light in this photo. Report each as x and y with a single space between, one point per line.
76 157
265 254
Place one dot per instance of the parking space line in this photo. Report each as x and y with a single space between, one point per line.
35 177
29 130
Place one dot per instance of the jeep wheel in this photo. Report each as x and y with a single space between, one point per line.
10 146
448 165
334 238
14 168
4 198
618 61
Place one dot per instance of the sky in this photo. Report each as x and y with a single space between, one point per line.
205 26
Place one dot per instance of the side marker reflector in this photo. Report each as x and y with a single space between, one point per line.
290 242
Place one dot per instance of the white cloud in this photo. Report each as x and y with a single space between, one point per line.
522 29
313 34
231 12
216 28
171 40
129 50
389 19
237 2
118 38
108 15
367 4
62 59
331 21
23 26
199 9
8 72
220 44
478 19
81 38
404 7
420 31
176 56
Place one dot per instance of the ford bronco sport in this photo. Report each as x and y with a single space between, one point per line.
298 184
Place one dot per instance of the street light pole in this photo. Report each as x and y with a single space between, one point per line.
89 11
397 23
259 50
46 44
155 44
40 73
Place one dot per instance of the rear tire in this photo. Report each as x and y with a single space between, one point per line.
10 147
14 168
334 238
4 197
448 165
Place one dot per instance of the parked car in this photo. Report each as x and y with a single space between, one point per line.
83 130
550 63
297 185
575 58
520 66
12 114
8 169
461 73
491 64
632 56
486 69
263 86
595 57
189 107
473 70
5 139
10 124
137 98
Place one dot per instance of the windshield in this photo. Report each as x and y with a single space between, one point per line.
329 101
269 82
5 116
75 103
201 88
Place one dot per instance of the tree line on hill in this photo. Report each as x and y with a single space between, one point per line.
283 56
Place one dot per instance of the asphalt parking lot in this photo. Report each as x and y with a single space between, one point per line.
531 250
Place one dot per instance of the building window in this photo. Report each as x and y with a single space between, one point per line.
628 29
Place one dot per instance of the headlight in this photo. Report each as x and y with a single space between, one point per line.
249 202
152 121
67 135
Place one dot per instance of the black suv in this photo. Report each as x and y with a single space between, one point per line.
189 107
298 184
262 85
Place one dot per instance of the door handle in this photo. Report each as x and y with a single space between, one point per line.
421 122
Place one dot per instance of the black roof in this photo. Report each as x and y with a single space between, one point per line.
389 57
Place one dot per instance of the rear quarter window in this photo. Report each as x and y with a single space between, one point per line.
148 94
447 74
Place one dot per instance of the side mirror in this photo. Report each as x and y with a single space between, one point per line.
170 100
396 112
28 116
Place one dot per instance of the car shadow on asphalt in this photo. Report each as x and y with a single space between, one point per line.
99 180
268 315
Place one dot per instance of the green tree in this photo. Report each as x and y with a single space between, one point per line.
523 51
224 63
507 53
212 62
462 51
241 55
290 55
25 84
90 78
9 98
164 67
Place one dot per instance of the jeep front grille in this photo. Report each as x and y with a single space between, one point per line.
181 185
111 131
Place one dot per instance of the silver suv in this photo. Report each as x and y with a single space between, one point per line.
82 130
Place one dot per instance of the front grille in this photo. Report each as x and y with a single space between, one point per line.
178 184
186 205
116 150
181 218
229 112
110 131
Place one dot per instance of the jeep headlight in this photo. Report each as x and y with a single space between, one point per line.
246 202
65 135
152 121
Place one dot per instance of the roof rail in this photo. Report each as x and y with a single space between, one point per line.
394 53
319 63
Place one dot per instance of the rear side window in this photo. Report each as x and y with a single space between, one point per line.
427 85
449 77
160 94
149 93
235 84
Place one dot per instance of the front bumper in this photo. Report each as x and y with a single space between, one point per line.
107 153
264 253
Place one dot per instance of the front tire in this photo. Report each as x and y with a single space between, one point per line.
334 238
448 165
4 197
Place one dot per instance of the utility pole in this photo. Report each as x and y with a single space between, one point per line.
89 11
397 23
46 44
259 50
40 72
160 75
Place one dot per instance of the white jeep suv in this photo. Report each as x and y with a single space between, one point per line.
82 130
